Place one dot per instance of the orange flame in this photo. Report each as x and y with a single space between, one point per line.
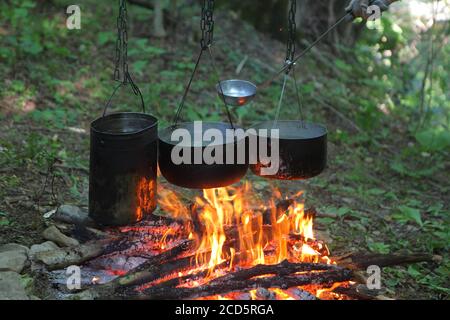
239 229
171 203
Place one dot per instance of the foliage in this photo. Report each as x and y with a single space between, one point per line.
27 37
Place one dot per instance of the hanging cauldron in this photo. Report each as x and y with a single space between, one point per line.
203 155
227 163
123 167
302 149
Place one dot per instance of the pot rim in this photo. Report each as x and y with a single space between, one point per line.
183 125
153 122
313 124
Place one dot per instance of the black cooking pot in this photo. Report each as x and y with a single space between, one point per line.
302 149
123 167
198 172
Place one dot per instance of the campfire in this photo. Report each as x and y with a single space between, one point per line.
231 230
227 243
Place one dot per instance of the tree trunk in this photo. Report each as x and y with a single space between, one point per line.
158 20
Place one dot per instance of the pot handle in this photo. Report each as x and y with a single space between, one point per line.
186 91
135 89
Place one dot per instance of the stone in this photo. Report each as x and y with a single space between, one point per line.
53 234
13 257
46 246
64 257
12 287
14 247
72 215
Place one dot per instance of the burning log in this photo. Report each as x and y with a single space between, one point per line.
284 275
284 268
153 267
174 282
281 269
240 282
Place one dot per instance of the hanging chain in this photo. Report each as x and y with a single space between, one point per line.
292 28
207 29
121 72
121 67
290 63
207 24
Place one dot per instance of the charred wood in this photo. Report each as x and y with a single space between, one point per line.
146 272
226 286
359 261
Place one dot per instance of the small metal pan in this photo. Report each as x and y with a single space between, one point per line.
302 149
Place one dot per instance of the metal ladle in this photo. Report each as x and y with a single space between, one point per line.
236 93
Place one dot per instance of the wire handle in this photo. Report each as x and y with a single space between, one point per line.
227 108
121 63
280 101
207 29
299 99
134 87
290 64
188 87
